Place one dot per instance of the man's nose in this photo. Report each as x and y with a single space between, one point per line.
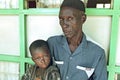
65 23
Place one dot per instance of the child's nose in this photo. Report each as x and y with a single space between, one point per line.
42 60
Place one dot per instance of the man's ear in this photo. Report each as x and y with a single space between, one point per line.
83 18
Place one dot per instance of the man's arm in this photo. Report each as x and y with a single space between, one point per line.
101 69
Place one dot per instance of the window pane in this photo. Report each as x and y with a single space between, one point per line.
9 71
98 3
57 3
118 47
42 3
117 77
98 28
8 4
9 35
42 27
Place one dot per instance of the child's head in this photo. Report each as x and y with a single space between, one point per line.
40 53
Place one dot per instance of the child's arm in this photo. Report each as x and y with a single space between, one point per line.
52 73
29 73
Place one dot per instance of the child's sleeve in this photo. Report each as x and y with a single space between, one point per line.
28 75
52 73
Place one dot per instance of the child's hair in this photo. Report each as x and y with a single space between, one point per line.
38 44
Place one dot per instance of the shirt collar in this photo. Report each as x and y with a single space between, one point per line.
81 46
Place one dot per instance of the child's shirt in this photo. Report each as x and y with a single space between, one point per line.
36 73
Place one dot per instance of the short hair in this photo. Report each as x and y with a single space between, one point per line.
38 44
76 4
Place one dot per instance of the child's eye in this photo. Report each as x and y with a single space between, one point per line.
46 56
37 59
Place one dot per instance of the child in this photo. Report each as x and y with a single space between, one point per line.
42 70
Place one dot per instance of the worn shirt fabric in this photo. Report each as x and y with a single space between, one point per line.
87 62
36 73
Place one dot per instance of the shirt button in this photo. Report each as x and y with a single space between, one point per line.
70 57
67 77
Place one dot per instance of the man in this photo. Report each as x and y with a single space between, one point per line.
77 58
42 70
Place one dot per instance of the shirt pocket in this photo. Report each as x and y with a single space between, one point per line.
89 71
59 64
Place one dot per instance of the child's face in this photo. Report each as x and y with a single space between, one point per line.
41 58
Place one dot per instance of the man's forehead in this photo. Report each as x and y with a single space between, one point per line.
69 8
68 11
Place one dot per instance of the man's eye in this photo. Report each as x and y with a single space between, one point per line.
70 18
61 19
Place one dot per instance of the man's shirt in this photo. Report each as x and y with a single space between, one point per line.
87 62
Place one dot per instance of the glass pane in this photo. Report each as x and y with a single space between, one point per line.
42 27
9 35
42 3
118 47
56 3
98 28
8 4
9 71
98 3
117 77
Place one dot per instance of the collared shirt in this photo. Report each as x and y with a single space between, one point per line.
87 62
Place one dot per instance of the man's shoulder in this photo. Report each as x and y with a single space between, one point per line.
96 47
95 44
55 38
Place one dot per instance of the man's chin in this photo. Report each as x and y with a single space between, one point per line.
68 36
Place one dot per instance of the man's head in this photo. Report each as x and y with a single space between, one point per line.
40 53
76 4
72 16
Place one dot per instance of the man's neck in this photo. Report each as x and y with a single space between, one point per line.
74 42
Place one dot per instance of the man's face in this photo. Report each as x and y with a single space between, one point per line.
71 21
41 58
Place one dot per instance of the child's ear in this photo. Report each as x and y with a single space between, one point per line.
83 18
32 59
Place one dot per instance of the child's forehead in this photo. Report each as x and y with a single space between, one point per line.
42 50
